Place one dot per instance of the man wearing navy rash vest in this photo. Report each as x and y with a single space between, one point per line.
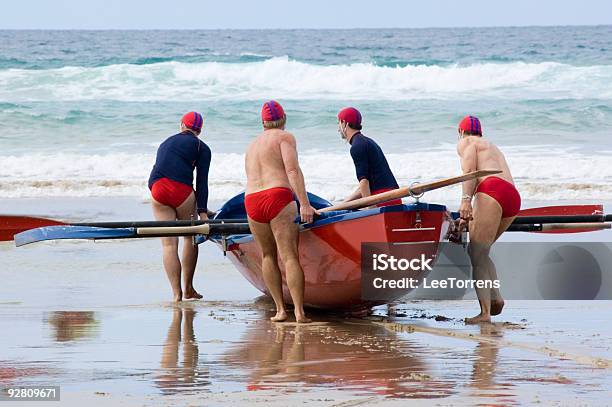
371 166
173 197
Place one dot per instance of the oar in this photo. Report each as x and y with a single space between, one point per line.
562 214
563 210
413 190
97 233
526 220
13 224
560 227
559 219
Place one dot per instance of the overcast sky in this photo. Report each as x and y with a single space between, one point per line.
143 14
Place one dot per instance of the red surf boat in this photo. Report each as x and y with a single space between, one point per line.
330 247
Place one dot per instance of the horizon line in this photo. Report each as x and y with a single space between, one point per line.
308 28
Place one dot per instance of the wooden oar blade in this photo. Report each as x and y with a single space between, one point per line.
71 232
10 225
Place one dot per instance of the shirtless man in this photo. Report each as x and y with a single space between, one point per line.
273 176
496 204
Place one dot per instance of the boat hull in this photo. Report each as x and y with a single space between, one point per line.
330 251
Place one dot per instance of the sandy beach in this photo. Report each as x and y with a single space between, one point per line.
94 318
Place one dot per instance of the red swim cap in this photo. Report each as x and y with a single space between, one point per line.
272 111
471 125
193 120
351 116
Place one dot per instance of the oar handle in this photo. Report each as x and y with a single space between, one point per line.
174 230
571 226
153 223
208 229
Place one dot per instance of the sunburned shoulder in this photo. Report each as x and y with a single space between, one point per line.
284 136
281 133
462 145
474 142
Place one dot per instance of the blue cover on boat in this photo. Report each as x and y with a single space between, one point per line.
234 208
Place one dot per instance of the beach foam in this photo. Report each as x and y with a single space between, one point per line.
289 79
540 173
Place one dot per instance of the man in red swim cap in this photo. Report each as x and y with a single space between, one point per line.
171 184
371 166
496 204
273 177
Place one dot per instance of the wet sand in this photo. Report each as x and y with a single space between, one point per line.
95 319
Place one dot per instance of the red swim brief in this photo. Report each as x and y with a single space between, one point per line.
263 206
503 192
388 203
170 193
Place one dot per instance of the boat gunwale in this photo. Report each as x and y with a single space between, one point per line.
350 215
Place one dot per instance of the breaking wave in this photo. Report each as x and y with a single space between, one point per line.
283 78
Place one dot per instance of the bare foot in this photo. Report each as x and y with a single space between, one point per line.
192 295
301 319
178 297
279 317
497 306
478 319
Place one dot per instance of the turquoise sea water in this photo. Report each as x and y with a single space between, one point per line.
81 112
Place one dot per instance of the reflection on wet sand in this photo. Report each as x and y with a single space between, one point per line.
361 357
73 325
173 376
486 364
485 359
11 371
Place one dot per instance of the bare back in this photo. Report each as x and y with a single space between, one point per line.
264 161
487 156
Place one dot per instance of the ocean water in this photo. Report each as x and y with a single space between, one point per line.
82 112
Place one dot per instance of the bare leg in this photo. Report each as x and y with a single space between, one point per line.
189 261
483 231
271 273
286 235
190 251
497 302
479 255
171 261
